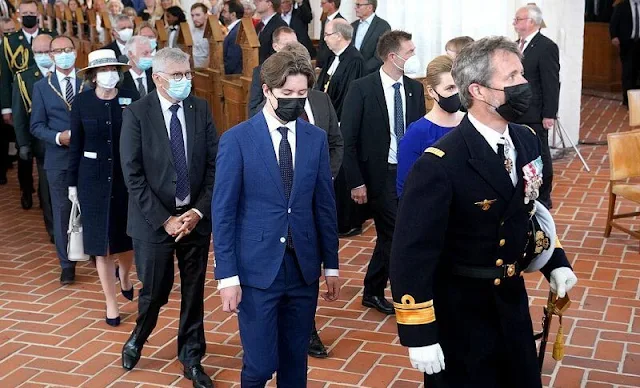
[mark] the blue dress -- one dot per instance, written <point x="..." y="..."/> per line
<point x="419" y="136"/>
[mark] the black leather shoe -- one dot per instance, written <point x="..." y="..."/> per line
<point x="198" y="377"/>
<point x="68" y="276"/>
<point x="316" y="348"/>
<point x="131" y="352"/>
<point x="26" y="200"/>
<point x="352" y="232"/>
<point x="379" y="303"/>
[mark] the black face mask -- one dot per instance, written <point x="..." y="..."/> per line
<point x="29" y="21"/>
<point x="449" y="104"/>
<point x="517" y="100"/>
<point x="289" y="109"/>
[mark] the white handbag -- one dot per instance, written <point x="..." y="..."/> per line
<point x="75" y="245"/>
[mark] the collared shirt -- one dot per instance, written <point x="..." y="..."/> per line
<point x="30" y="37"/>
<point x="287" y="17"/>
<point x="528" y="39"/>
<point x="336" y="61"/>
<point x="63" y="88"/>
<point x="267" y="19"/>
<point x="307" y="110"/>
<point x="166" y="113"/>
<point x="389" y="96"/>
<point x="173" y="36"/>
<point x="233" y="24"/>
<point x="363" y="27"/>
<point x="45" y="70"/>
<point x="332" y="16"/>
<point x="121" y="47"/>
<point x="493" y="138"/>
<point x="137" y="76"/>
<point x="200" y="48"/>
<point x="273" y="124"/>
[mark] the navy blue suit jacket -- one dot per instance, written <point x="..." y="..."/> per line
<point x="50" y="115"/>
<point x="250" y="212"/>
<point x="232" y="52"/>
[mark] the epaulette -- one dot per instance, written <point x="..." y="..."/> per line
<point x="436" y="151"/>
<point x="529" y="128"/>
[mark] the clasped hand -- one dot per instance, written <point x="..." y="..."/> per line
<point x="181" y="226"/>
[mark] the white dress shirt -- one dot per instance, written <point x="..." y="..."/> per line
<point x="233" y="24"/>
<point x="45" y="70"/>
<point x="273" y="124"/>
<point x="389" y="96"/>
<point x="173" y="36"/>
<point x="137" y="76"/>
<point x="63" y="87"/>
<point x="528" y="39"/>
<point x="200" y="48"/>
<point x="336" y="62"/>
<point x="121" y="47"/>
<point x="287" y="17"/>
<point x="332" y="16"/>
<point x="363" y="27"/>
<point x="30" y="37"/>
<point x="307" y="110"/>
<point x="494" y="138"/>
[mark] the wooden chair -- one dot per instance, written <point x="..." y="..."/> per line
<point x="624" y="162"/>
<point x="634" y="107"/>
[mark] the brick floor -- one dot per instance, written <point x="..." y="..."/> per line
<point x="56" y="336"/>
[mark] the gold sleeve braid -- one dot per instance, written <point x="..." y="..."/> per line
<point x="408" y="312"/>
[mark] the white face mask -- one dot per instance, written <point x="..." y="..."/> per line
<point x="125" y="34"/>
<point x="411" y="65"/>
<point x="107" y="79"/>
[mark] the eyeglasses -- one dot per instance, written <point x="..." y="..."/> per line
<point x="518" y="20"/>
<point x="358" y="5"/>
<point x="327" y="34"/>
<point x="41" y="52"/>
<point x="178" y="76"/>
<point x="66" y="50"/>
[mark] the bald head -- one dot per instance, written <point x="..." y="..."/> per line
<point x="338" y="34"/>
<point x="41" y="43"/>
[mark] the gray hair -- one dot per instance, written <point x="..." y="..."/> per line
<point x="249" y="4"/>
<point x="343" y="28"/>
<point x="166" y="56"/>
<point x="122" y="18"/>
<point x="535" y="14"/>
<point x="474" y="64"/>
<point x="133" y="44"/>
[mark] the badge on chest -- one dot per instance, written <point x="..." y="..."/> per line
<point x="532" y="174"/>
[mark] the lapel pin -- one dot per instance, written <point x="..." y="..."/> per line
<point x="486" y="204"/>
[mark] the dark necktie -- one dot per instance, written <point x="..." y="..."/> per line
<point x="398" y="116"/>
<point x="259" y="27"/>
<point x="141" y="89"/>
<point x="68" y="93"/>
<point x="636" y="30"/>
<point x="179" y="157"/>
<point x="286" y="171"/>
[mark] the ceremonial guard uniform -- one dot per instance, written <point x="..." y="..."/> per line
<point x="464" y="233"/>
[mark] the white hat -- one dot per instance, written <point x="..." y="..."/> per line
<point x="104" y="57"/>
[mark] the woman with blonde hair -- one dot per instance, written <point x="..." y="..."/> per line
<point x="152" y="11"/>
<point x="442" y="118"/>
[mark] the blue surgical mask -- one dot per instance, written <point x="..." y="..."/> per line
<point x="179" y="90"/>
<point x="43" y="60"/>
<point x="65" y="60"/>
<point x="154" y="43"/>
<point x="145" y="63"/>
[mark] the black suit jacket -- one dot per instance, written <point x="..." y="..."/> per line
<point x="255" y="94"/>
<point x="265" y="37"/>
<point x="621" y="25"/>
<point x="114" y="46"/>
<point x="150" y="175"/>
<point x="541" y="63"/>
<point x="600" y="14"/>
<point x="370" y="42"/>
<point x="302" y="33"/>
<point x="365" y="128"/>
<point x="130" y="84"/>
<point x="351" y="68"/>
<point x="323" y="50"/>
<point x="303" y="12"/>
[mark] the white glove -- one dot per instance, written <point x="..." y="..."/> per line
<point x="562" y="281"/>
<point x="427" y="359"/>
<point x="73" y="194"/>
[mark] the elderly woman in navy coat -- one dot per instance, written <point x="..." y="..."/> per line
<point x="95" y="177"/>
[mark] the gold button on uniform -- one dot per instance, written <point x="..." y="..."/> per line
<point x="499" y="262"/>
<point x="496" y="282"/>
<point x="502" y="242"/>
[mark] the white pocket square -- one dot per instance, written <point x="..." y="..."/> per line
<point x="91" y="155"/>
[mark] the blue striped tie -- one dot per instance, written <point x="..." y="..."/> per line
<point x="68" y="93"/>
<point x="398" y="116"/>
<point x="179" y="157"/>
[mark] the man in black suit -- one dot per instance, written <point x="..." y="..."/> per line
<point x="624" y="29"/>
<point x="541" y="63"/>
<point x="168" y="150"/>
<point x="598" y="10"/>
<point x="282" y="36"/>
<point x="232" y="13"/>
<point x="376" y="111"/>
<point x="121" y="33"/>
<point x="331" y="9"/>
<point x="138" y="77"/>
<point x="269" y="22"/>
<point x="301" y="28"/>
<point x="367" y="30"/>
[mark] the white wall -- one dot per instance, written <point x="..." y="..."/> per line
<point x="434" y="22"/>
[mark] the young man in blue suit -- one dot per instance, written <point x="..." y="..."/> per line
<point x="50" y="122"/>
<point x="274" y="226"/>
<point x="232" y="13"/>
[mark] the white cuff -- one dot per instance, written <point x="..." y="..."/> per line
<point x="6" y="111"/>
<point x="359" y="187"/>
<point x="228" y="282"/>
<point x="331" y="272"/>
<point x="58" y="138"/>
<point x="198" y="212"/>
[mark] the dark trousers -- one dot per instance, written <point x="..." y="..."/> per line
<point x="384" y="206"/>
<point x="275" y="326"/>
<point x="630" y="58"/>
<point x="350" y="214"/>
<point x="6" y="135"/>
<point x="154" y="265"/>
<point x="61" y="210"/>
<point x="25" y="178"/>
<point x="547" y="167"/>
